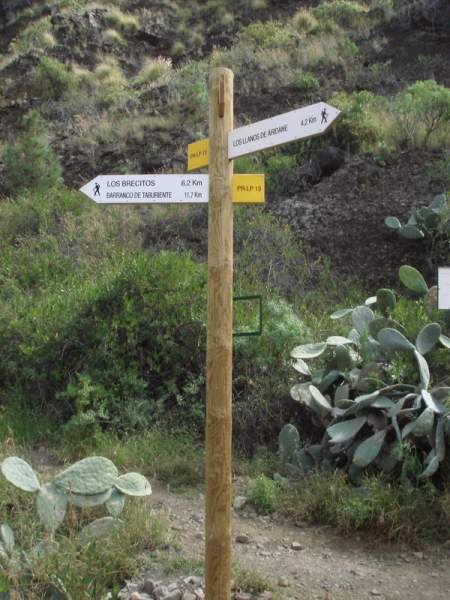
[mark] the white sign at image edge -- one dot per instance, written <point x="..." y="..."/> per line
<point x="297" y="124"/>
<point x="148" y="189"/>
<point x="443" y="288"/>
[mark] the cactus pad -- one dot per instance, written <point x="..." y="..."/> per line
<point x="84" y="501"/>
<point x="368" y="450"/>
<point x="411" y="232"/>
<point x="319" y="403"/>
<point x="51" y="506"/>
<point x="386" y="300"/>
<point x="423" y="370"/>
<point x="361" y="318"/>
<point x="445" y="341"/>
<point x="116" y="503"/>
<point x="288" y="443"/>
<point x="99" y="528"/>
<point x="345" y="430"/>
<point x="393" y="340"/>
<point x="133" y="484"/>
<point x="90" y="476"/>
<point x="432" y="403"/>
<point x="392" y="223"/>
<point x="413" y="280"/>
<point x="301" y="367"/>
<point x="7" y="538"/>
<point x="19" y="473"/>
<point x="309" y="350"/>
<point x="342" y="312"/>
<point x="428" y="337"/>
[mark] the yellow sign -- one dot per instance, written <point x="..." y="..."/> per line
<point x="198" y="155"/>
<point x="248" y="189"/>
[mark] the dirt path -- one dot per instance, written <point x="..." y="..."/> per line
<point x="328" y="567"/>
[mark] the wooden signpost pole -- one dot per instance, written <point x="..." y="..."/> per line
<point x="224" y="143"/>
<point x="220" y="339"/>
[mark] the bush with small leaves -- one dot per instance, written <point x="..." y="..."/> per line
<point x="52" y="80"/>
<point x="346" y="13"/>
<point x="422" y="114"/>
<point x="30" y="162"/>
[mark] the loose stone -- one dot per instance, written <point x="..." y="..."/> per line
<point x="296" y="546"/>
<point x="243" y="538"/>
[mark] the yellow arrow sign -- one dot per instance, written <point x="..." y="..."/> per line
<point x="198" y="155"/>
<point x="248" y="189"/>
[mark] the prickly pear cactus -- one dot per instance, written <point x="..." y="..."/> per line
<point x="429" y="225"/>
<point x="370" y="418"/>
<point x="88" y="483"/>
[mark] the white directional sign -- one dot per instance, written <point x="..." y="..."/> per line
<point x="294" y="125"/>
<point x="147" y="189"/>
<point x="444" y="288"/>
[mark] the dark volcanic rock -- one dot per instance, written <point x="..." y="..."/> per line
<point x="330" y="160"/>
<point x="342" y="216"/>
<point x="9" y="9"/>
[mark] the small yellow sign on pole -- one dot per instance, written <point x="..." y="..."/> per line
<point x="198" y="155"/>
<point x="248" y="189"/>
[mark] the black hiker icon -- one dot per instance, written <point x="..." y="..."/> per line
<point x="97" y="189"/>
<point x="324" y="116"/>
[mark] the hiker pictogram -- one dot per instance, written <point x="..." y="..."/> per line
<point x="324" y="116"/>
<point x="97" y="189"/>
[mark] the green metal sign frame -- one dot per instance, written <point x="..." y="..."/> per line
<point x="260" y="328"/>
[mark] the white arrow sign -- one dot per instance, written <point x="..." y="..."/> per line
<point x="444" y="288"/>
<point x="147" y="189"/>
<point x="294" y="125"/>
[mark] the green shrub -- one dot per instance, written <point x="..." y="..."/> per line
<point x="304" y="21"/>
<point x="258" y="4"/>
<point x="52" y="80"/>
<point x="153" y="70"/>
<point x="306" y="82"/>
<point x="124" y="21"/>
<point x="95" y="345"/>
<point x="172" y="454"/>
<point x="358" y="128"/>
<point x="271" y="34"/>
<point x="277" y="163"/>
<point x="423" y="114"/>
<point x="189" y="88"/>
<point x="113" y="37"/>
<point x="111" y="88"/>
<point x="260" y="366"/>
<point x="36" y="36"/>
<point x="129" y="345"/>
<point x="348" y="50"/>
<point x="250" y="582"/>
<point x="388" y="510"/>
<point x="345" y="13"/>
<point x="30" y="162"/>
<point x="263" y="494"/>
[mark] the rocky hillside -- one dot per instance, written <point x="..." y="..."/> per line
<point x="122" y="86"/>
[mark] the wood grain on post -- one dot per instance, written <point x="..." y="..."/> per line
<point x="220" y="341"/>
